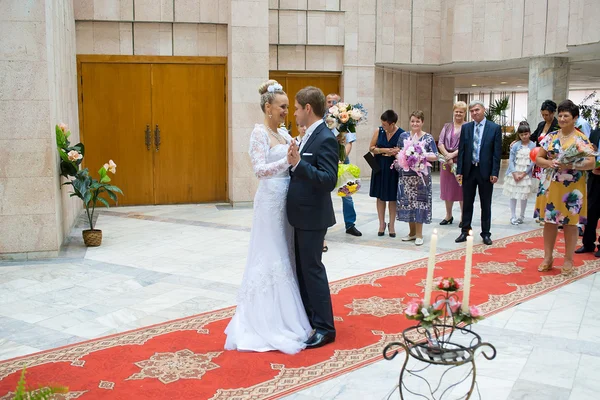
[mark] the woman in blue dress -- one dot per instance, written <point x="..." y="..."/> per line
<point x="384" y="183"/>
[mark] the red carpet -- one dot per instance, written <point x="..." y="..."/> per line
<point x="185" y="359"/>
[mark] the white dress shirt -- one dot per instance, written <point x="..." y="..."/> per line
<point x="309" y="131"/>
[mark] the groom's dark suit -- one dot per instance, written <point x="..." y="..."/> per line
<point x="477" y="175"/>
<point x="310" y="212"/>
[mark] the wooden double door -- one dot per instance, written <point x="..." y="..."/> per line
<point x="292" y="82"/>
<point x="163" y="123"/>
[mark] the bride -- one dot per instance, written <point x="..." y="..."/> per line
<point x="270" y="314"/>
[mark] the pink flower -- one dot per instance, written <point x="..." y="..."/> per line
<point x="475" y="311"/>
<point x="454" y="305"/>
<point x="445" y="283"/>
<point x="63" y="127"/>
<point x="111" y="166"/>
<point x="412" y="309"/>
<point x="74" y="155"/>
<point x="344" y="117"/>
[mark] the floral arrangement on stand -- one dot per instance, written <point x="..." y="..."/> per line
<point x="412" y="157"/>
<point x="445" y="307"/>
<point x="344" y="118"/>
<point x="88" y="189"/>
<point x="348" y="181"/>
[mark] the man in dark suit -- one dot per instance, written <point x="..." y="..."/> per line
<point x="593" y="205"/>
<point x="478" y="167"/>
<point x="310" y="210"/>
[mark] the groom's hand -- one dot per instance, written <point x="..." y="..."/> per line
<point x="293" y="155"/>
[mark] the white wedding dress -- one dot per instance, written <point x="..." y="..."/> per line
<point x="270" y="314"/>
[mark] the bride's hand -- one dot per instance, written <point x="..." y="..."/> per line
<point x="293" y="156"/>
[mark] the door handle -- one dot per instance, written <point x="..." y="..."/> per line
<point x="148" y="139"/>
<point x="157" y="137"/>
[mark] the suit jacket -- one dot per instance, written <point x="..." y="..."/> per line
<point x="309" y="205"/>
<point x="489" y="154"/>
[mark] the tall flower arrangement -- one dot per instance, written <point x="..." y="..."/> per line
<point x="344" y="118"/>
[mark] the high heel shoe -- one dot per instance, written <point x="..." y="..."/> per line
<point x="381" y="233"/>
<point x="566" y="270"/>
<point x="545" y="267"/>
<point x="392" y="234"/>
<point x="447" y="221"/>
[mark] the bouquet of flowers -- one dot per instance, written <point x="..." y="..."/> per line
<point x="413" y="157"/>
<point x="448" y="284"/>
<point x="417" y="311"/>
<point x="344" y="118"/>
<point x="572" y="155"/>
<point x="348" y="180"/>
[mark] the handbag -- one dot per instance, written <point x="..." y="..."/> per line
<point x="370" y="158"/>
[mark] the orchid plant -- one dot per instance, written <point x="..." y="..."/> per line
<point x="88" y="189"/>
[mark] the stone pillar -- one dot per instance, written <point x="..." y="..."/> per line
<point x="548" y="80"/>
<point x="358" y="79"/>
<point x="37" y="90"/>
<point x="248" y="67"/>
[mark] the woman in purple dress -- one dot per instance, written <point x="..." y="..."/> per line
<point x="448" y="146"/>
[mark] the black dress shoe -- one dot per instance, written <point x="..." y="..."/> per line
<point x="597" y="254"/>
<point x="447" y="221"/>
<point x="580" y="229"/>
<point x="487" y="240"/>
<point x="461" y="238"/>
<point x="584" y="249"/>
<point x="460" y="225"/>
<point x="353" y="231"/>
<point x="319" y="340"/>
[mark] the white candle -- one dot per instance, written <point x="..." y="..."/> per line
<point x="430" y="268"/>
<point x="467" y="279"/>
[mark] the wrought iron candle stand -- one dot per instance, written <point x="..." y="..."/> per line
<point x="436" y="343"/>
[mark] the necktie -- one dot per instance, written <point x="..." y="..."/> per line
<point x="476" y="141"/>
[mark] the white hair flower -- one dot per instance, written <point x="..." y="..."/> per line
<point x="274" y="88"/>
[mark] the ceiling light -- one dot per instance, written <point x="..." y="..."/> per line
<point x="473" y="85"/>
<point x="503" y="83"/>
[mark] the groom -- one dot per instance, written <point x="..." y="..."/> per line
<point x="313" y="174"/>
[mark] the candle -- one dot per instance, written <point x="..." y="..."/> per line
<point x="467" y="280"/>
<point x="430" y="268"/>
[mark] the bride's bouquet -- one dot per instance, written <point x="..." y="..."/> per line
<point x="345" y="117"/>
<point x="412" y="157"/>
<point x="348" y="180"/>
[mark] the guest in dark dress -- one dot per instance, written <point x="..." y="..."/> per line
<point x="549" y="124"/>
<point x="384" y="184"/>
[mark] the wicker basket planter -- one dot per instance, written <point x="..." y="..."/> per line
<point x="92" y="237"/>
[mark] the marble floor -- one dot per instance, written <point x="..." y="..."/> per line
<point x="166" y="262"/>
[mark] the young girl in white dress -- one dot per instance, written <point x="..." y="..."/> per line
<point x="519" y="184"/>
<point x="270" y="314"/>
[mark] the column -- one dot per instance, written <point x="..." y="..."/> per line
<point x="248" y="67"/>
<point x="548" y="80"/>
<point x="38" y="89"/>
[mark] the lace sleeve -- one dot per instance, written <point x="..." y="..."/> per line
<point x="259" y="147"/>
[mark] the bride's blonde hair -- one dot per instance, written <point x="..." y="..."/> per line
<point x="268" y="90"/>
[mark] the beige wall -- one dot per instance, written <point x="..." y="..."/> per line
<point x="37" y="81"/>
<point x="445" y="31"/>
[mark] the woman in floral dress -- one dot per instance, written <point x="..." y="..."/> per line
<point x="414" y="191"/>
<point x="562" y="194"/>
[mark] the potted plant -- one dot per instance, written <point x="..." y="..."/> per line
<point x="88" y="189"/>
